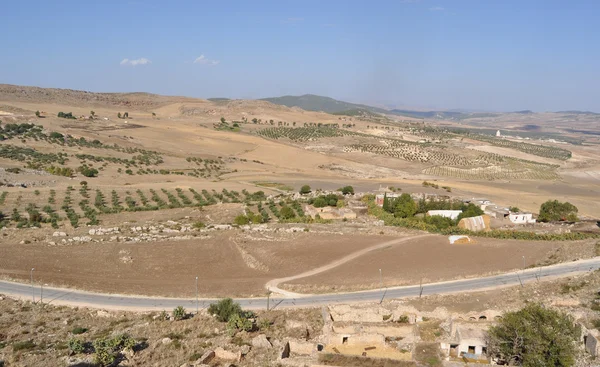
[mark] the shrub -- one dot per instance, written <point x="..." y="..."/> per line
<point x="305" y="190"/>
<point x="24" y="345"/>
<point x="347" y="190"/>
<point x="241" y="220"/>
<point x="76" y="346"/>
<point x="79" y="330"/>
<point x="179" y="313"/>
<point x="224" y="309"/>
<point x="287" y="213"/>
<point x="239" y="322"/>
<point x="88" y="171"/>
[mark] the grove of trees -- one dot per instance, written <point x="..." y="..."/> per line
<point x="554" y="210"/>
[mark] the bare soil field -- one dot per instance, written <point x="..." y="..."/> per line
<point x="169" y="268"/>
<point x="433" y="259"/>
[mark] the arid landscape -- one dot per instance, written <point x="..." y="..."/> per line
<point x="139" y="194"/>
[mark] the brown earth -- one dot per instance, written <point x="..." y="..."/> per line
<point x="433" y="259"/>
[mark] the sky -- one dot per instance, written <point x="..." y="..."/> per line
<point x="492" y="55"/>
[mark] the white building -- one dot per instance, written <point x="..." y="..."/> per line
<point x="498" y="134"/>
<point x="521" y="218"/>
<point x="452" y="214"/>
<point x="468" y="340"/>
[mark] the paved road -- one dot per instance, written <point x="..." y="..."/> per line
<point x="118" y="302"/>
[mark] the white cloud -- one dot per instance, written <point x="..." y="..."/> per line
<point x="204" y="61"/>
<point x="436" y="8"/>
<point x="140" y="61"/>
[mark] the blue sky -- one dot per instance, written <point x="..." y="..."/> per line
<point x="474" y="54"/>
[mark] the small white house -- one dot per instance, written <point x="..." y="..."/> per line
<point x="521" y="218"/>
<point x="452" y="214"/>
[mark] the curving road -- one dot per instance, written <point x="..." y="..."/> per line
<point x="120" y="302"/>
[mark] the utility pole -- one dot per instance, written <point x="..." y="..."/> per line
<point x="196" y="295"/>
<point x="32" y="290"/>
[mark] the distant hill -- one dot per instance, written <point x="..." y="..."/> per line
<point x="311" y="102"/>
<point x="576" y="112"/>
<point x="441" y="115"/>
<point x="524" y="112"/>
<point x="219" y="99"/>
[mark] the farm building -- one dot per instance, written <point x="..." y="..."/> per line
<point x="452" y="214"/>
<point x="329" y="212"/>
<point x="390" y="195"/>
<point x="467" y="340"/>
<point x="521" y="218"/>
<point x="496" y="212"/>
<point x="479" y="223"/>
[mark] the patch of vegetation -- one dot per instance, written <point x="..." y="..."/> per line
<point x="68" y="115"/>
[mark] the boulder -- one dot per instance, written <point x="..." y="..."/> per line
<point x="166" y="341"/>
<point x="261" y="341"/>
<point x="206" y="357"/>
<point x="226" y="355"/>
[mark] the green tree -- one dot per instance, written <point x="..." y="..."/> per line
<point x="153" y="114"/>
<point x="92" y="113"/>
<point x="118" y="115"/>
<point x="126" y="115"/>
<point x="37" y="113"/>
<point x="305" y="190"/>
<point x="514" y="209"/>
<point x="225" y="309"/>
<point x="287" y="212"/>
<point x="554" y="210"/>
<point x="471" y="210"/>
<point x="535" y="336"/>
<point x="222" y="120"/>
<point x="386" y="203"/>
<point x="404" y="206"/>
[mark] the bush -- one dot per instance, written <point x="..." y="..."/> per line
<point x="239" y="322"/>
<point x="88" y="171"/>
<point x="241" y="220"/>
<point x="535" y="336"/>
<point x="179" y="313"/>
<point x="25" y="345"/>
<point x="305" y="190"/>
<point x="225" y="309"/>
<point x="79" y="330"/>
<point x="287" y="213"/>
<point x="554" y="210"/>
<point x="76" y="346"/>
<point x="347" y="190"/>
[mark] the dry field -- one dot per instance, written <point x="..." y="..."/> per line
<point x="433" y="259"/>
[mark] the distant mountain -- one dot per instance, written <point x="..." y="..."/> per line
<point x="524" y="112"/>
<point x="311" y="102"/>
<point x="218" y="99"/>
<point x="577" y="112"/>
